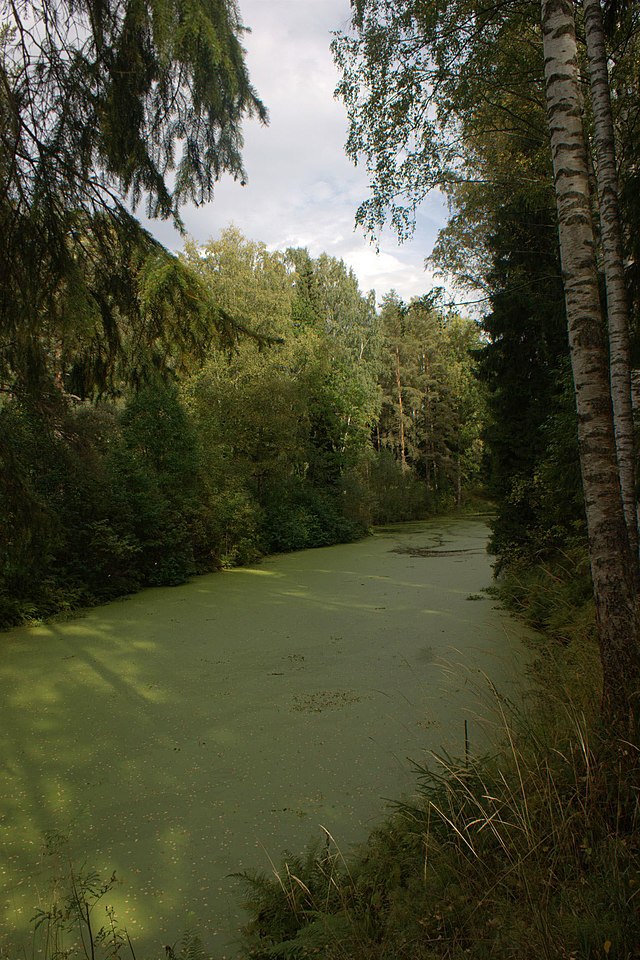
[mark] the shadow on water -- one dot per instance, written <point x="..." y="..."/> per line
<point x="191" y="732"/>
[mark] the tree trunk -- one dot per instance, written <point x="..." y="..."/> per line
<point x="613" y="583"/>
<point x="611" y="232"/>
<point x="403" y="450"/>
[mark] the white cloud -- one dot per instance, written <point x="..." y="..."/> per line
<point x="302" y="190"/>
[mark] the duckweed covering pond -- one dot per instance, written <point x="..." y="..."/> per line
<point x="189" y="733"/>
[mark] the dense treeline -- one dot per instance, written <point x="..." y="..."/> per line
<point x="501" y="242"/>
<point x="288" y="428"/>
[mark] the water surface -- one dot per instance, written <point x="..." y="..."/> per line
<point x="187" y="733"/>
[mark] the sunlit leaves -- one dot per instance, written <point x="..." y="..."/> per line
<point x="420" y="81"/>
<point x="433" y="407"/>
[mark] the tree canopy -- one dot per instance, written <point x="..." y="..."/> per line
<point x="107" y="95"/>
<point x="429" y="89"/>
<point x="103" y="105"/>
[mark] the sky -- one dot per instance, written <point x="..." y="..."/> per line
<point x="302" y="191"/>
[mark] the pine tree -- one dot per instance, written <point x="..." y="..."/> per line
<point x="103" y="104"/>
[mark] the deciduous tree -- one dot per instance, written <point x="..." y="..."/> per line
<point x="433" y="93"/>
<point x="611" y="234"/>
<point x="612" y="567"/>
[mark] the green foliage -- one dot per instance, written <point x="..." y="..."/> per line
<point x="555" y="594"/>
<point x="433" y="406"/>
<point x="99" y="504"/>
<point x="423" y="84"/>
<point x="452" y="95"/>
<point x="211" y="457"/>
<point x="304" y="516"/>
<point x="244" y="279"/>
<point x="395" y="494"/>
<point x="298" y="912"/>
<point x="159" y="458"/>
<point x="112" y="92"/>
<point x="532" y="452"/>
<point x="100" y="102"/>
<point x="122" y="309"/>
<point x="27" y="526"/>
<point x="287" y="425"/>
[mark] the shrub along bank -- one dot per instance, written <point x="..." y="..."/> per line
<point x="311" y="420"/>
<point x="108" y="500"/>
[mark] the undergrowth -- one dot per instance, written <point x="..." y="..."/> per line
<point x="554" y="594"/>
<point x="531" y="853"/>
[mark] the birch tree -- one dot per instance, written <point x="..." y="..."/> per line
<point x="451" y="94"/>
<point x="611" y="235"/>
<point x="613" y="583"/>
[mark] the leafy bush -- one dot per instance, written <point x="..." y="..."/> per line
<point x="300" y="516"/>
<point x="95" y="503"/>
<point x="28" y="526"/>
<point x="395" y="494"/>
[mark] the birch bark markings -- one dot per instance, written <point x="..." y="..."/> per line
<point x="611" y="232"/>
<point x="614" y="585"/>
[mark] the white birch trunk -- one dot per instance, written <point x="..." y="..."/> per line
<point x="611" y="232"/>
<point x="614" y="586"/>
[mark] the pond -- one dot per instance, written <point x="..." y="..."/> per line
<point x="187" y="733"/>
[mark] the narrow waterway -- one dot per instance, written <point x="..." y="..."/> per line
<point x="188" y="733"/>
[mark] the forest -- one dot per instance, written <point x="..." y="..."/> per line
<point x="165" y="415"/>
<point x="312" y="417"/>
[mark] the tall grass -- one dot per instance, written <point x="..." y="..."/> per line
<point x="529" y="854"/>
